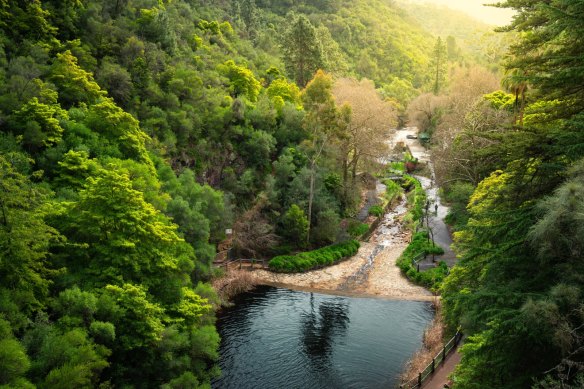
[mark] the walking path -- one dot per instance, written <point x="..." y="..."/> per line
<point x="373" y="271"/>
<point x="441" y="375"/>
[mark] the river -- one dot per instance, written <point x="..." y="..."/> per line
<point x="280" y="338"/>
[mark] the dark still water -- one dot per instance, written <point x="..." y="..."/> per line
<point x="279" y="338"/>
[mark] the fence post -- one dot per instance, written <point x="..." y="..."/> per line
<point x="419" y="380"/>
<point x="239" y="263"/>
<point x="418" y="267"/>
<point x="444" y="355"/>
<point x="433" y="365"/>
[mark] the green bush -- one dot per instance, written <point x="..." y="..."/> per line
<point x="392" y="190"/>
<point x="416" y="200"/>
<point x="408" y="182"/>
<point x="458" y="195"/>
<point x="282" y="249"/>
<point x="357" y="229"/>
<point x="376" y="210"/>
<point x="312" y="259"/>
<point x="431" y="278"/>
<point x="396" y="168"/>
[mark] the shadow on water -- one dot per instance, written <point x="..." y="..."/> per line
<point x="241" y="312"/>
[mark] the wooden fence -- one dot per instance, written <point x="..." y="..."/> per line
<point x="241" y="261"/>
<point x="427" y="373"/>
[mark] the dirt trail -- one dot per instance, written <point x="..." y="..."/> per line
<point x="371" y="272"/>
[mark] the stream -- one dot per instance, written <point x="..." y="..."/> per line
<point x="280" y="338"/>
<point x="386" y="235"/>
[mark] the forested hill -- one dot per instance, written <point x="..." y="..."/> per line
<point x="133" y="132"/>
<point x="467" y="39"/>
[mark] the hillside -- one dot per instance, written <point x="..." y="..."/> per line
<point x="133" y="133"/>
<point x="474" y="41"/>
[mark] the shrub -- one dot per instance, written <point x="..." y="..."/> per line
<point x="431" y="278"/>
<point x="376" y="210"/>
<point x="282" y="249"/>
<point x="312" y="259"/>
<point x="416" y="199"/>
<point x="392" y="190"/>
<point x="326" y="230"/>
<point x="357" y="229"/>
<point x="396" y="168"/>
<point x="295" y="226"/>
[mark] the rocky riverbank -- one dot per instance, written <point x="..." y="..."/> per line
<point x="371" y="272"/>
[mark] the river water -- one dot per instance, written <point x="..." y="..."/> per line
<point x="279" y="338"/>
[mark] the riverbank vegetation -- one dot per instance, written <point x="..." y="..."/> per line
<point x="417" y="198"/>
<point x="420" y="247"/>
<point x="432" y="343"/>
<point x="324" y="256"/>
<point x="511" y="164"/>
<point x="232" y="283"/>
<point x="135" y="132"/>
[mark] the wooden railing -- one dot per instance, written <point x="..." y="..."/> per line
<point x="427" y="373"/>
<point x="262" y="262"/>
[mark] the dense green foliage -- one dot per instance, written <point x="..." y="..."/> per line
<point x="134" y="132"/>
<point x="518" y="288"/>
<point x="422" y="246"/>
<point x="392" y="190"/>
<point x="416" y="196"/>
<point x="376" y="210"/>
<point x="357" y="229"/>
<point x="309" y="260"/>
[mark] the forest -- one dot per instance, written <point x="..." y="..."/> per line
<point x="133" y="133"/>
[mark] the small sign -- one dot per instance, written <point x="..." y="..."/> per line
<point x="228" y="231"/>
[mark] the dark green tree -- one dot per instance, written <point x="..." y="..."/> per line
<point x="295" y="226"/>
<point x="438" y="66"/>
<point x="302" y="50"/>
<point x="24" y="241"/>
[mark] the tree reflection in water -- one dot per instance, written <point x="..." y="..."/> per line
<point x="321" y="328"/>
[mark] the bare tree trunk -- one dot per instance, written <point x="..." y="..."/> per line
<point x="310" y="198"/>
<point x="311" y="193"/>
<point x="355" y="163"/>
<point x="345" y="182"/>
<point x="522" y="108"/>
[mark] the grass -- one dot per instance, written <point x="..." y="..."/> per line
<point x="309" y="260"/>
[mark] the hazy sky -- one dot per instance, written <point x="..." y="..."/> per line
<point x="475" y="8"/>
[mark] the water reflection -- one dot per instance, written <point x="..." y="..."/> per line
<point x="279" y="338"/>
<point x="319" y="328"/>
